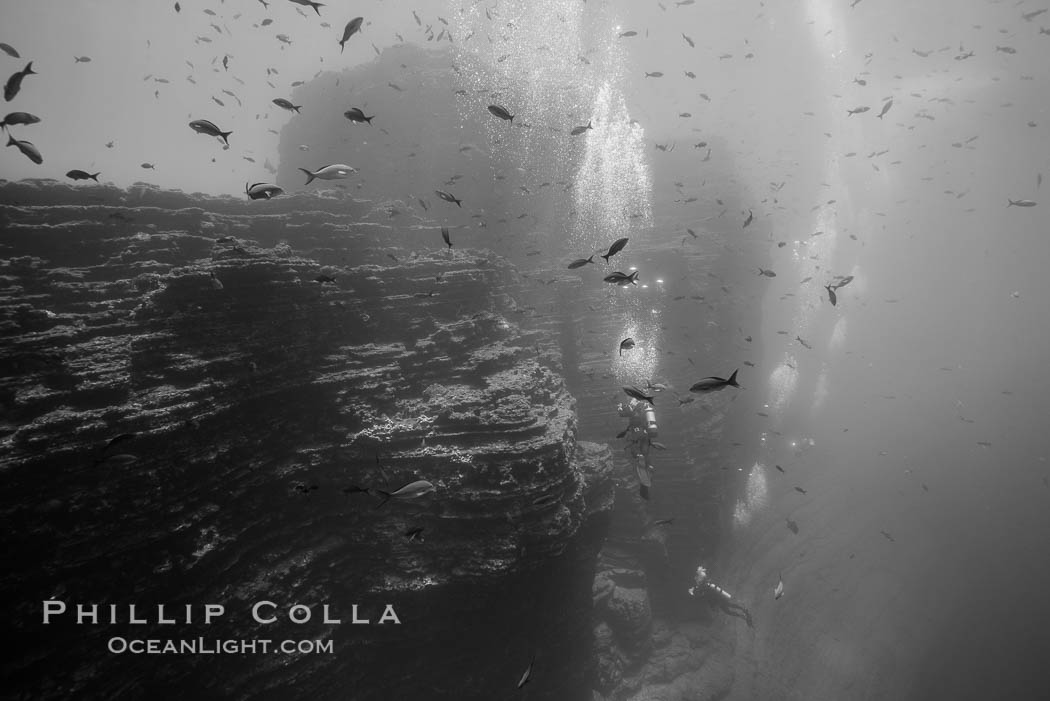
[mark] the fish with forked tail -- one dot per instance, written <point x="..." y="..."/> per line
<point x="203" y="126"/>
<point x="714" y="384"/>
<point x="14" y="83"/>
<point x="15" y="118"/>
<point x="448" y="197"/>
<point x="352" y="27"/>
<point x="356" y="115"/>
<point x="615" y="248"/>
<point x="285" y="104"/>
<point x="336" y="171"/>
<point x="83" y="175"/>
<point x="28" y="149"/>
<point x="621" y="279"/>
<point x="307" y="3"/>
<point x="412" y="490"/>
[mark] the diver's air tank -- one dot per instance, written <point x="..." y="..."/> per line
<point x="650" y="421"/>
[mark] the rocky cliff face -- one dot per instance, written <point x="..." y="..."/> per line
<point x="258" y="397"/>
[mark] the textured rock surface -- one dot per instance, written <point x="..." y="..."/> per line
<point x="257" y="397"/>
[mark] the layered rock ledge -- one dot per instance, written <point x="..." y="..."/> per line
<point x="260" y="397"/>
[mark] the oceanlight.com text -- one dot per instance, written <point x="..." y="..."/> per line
<point x="214" y="646"/>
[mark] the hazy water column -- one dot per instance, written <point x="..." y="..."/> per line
<point x="813" y="644"/>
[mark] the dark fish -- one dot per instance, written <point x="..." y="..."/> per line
<point x="622" y="433"/>
<point x="626" y="344"/>
<point x="630" y="33"/>
<point x="448" y="197"/>
<point x="714" y="384"/>
<point x="81" y="59"/>
<point x="779" y="468"/>
<point x="576" y="131"/>
<point x="354" y="489"/>
<point x="415" y="534"/>
<point x="285" y="104"/>
<point x="81" y="175"/>
<point x="615" y="248"/>
<point x="1028" y="17"/>
<point x="750" y="218"/>
<point x="580" y="262"/>
<point x="354" y="114"/>
<point x="841" y="282"/>
<point x="885" y="109"/>
<point x="619" y="278"/>
<point x="800" y="490"/>
<point x="203" y="126"/>
<point x="322" y="278"/>
<point x="857" y="110"/>
<point x="14" y="83"/>
<point x="501" y="112"/>
<point x="266" y="22"/>
<point x="412" y="490"/>
<point x="688" y="41"/>
<point x="887" y="536"/>
<point x="636" y="393"/>
<point x="352" y="27"/>
<point x="29" y="150"/>
<point x="767" y="273"/>
<point x="308" y="3"/>
<point x="262" y="191"/>
<point x="14" y="118"/>
<point x="832" y="297"/>
<point x="149" y="166"/>
<point x="9" y="50"/>
<point x="664" y="522"/>
<point x="1021" y="203"/>
<point x="444" y="235"/>
<point x="792" y="526"/>
<point x="803" y="342"/>
<point x="177" y="8"/>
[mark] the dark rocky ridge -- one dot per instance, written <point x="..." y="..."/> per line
<point x="244" y="394"/>
<point x="316" y="379"/>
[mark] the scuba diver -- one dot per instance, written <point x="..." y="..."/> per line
<point x="718" y="597"/>
<point x="640" y="432"/>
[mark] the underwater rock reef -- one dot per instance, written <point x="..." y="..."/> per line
<point x="195" y="392"/>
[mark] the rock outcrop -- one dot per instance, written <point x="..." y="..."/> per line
<point x="267" y="361"/>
